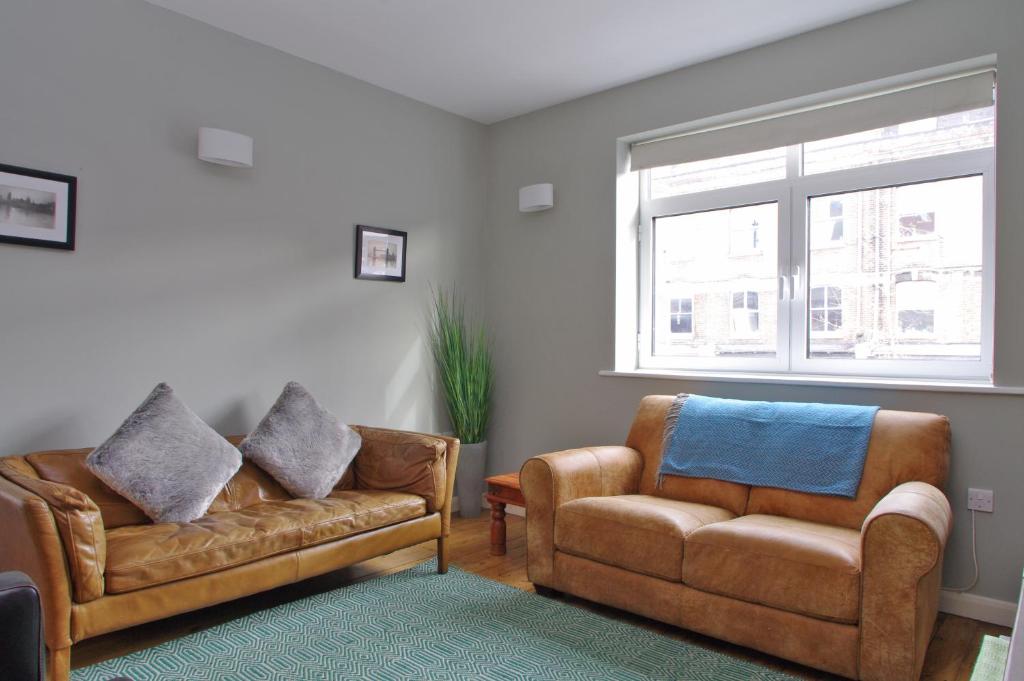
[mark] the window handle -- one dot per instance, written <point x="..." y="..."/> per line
<point x="783" y="283"/>
<point x="794" y="281"/>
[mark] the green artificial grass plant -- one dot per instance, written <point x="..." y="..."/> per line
<point x="464" y="367"/>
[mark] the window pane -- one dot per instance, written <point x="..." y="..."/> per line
<point x="817" y="297"/>
<point x="718" y="173"/>
<point x="827" y="223"/>
<point x="835" y="296"/>
<point x="917" y="322"/>
<point x="894" y="291"/>
<point x="916" y="224"/>
<point x="916" y="139"/>
<point x="721" y="291"/>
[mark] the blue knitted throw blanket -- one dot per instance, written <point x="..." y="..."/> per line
<point x="805" y="447"/>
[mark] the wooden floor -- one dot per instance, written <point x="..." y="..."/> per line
<point x="950" y="655"/>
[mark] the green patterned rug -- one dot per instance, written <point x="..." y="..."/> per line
<point x="420" y="625"/>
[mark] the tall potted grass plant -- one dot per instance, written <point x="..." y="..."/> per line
<point x="462" y="354"/>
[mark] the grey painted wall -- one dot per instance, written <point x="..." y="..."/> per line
<point x="224" y="282"/>
<point x="550" y="276"/>
<point x="227" y="283"/>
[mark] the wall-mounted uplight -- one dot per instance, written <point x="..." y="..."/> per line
<point x="536" y="197"/>
<point x="225" y="147"/>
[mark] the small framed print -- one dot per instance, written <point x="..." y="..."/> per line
<point x="380" y="253"/>
<point x="37" y="208"/>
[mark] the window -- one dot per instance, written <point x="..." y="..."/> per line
<point x="915" y="210"/>
<point x="826" y="306"/>
<point x="866" y="253"/>
<point x="745" y="238"/>
<point x="719" y="173"/>
<point x="916" y="301"/>
<point x="917" y="139"/>
<point x="916" y="225"/>
<point x="828" y="224"/>
<point x="681" y="315"/>
<point x="899" y="255"/>
<point x="695" y="272"/>
<point x="745" y="320"/>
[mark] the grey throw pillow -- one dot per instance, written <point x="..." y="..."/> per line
<point x="302" y="445"/>
<point x="166" y="460"/>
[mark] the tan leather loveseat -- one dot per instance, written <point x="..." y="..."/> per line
<point x="101" y="565"/>
<point x="849" y="586"/>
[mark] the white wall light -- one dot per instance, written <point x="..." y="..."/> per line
<point x="536" y="197"/>
<point x="225" y="147"/>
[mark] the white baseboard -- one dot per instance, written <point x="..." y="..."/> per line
<point x="978" y="607"/>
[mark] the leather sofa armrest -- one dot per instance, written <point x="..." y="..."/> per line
<point x="902" y="542"/>
<point x="79" y="524"/>
<point x="550" y="480"/>
<point x="404" y="461"/>
<point x="31" y="544"/>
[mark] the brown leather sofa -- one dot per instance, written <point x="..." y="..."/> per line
<point x="849" y="586"/>
<point x="102" y="565"/>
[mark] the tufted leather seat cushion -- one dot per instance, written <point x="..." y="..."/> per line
<point x="795" y="565"/>
<point x="146" y="555"/>
<point x="635" y="531"/>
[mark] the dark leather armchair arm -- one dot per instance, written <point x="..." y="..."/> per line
<point x="21" y="628"/>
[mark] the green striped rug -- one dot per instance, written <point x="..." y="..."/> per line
<point x="420" y="625"/>
<point x="991" y="662"/>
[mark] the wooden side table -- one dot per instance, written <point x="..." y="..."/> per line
<point x="502" y="490"/>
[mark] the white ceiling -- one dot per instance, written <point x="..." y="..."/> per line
<point x="493" y="59"/>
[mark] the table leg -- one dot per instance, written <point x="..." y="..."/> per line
<point x="497" y="528"/>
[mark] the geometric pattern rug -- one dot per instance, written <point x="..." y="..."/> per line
<point x="417" y="624"/>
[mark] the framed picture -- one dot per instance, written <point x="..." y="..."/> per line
<point x="37" y="208"/>
<point x="380" y="253"/>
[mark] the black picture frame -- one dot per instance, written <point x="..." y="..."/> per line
<point x="377" y="265"/>
<point x="63" y="210"/>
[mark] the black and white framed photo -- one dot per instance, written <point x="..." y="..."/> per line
<point x="37" y="208"/>
<point x="380" y="253"/>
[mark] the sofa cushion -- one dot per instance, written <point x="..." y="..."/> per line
<point x="165" y="460"/>
<point x="147" y="555"/>
<point x="793" y="565"/>
<point x="301" y="444"/>
<point x="637" y="532"/>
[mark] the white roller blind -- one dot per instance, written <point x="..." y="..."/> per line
<point x="867" y="112"/>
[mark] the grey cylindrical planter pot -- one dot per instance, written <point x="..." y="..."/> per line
<point x="469" y="478"/>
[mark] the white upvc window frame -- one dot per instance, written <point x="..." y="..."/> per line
<point x="792" y="196"/>
<point x="748" y="195"/>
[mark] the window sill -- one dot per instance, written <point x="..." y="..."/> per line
<point x="914" y="384"/>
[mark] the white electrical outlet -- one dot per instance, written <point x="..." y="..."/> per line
<point x="980" y="499"/>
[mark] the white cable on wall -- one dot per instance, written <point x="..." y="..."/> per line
<point x="974" y="557"/>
